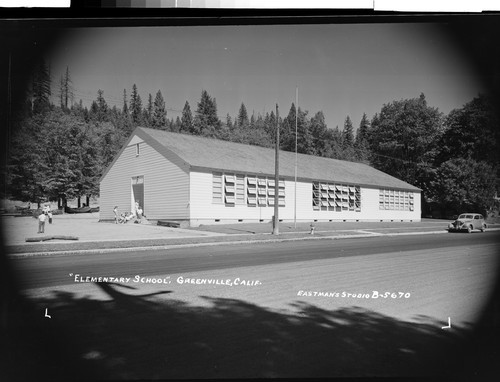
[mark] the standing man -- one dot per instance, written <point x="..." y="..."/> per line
<point x="41" y="222"/>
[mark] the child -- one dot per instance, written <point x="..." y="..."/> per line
<point x="115" y="210"/>
<point x="48" y="212"/>
<point x="41" y="222"/>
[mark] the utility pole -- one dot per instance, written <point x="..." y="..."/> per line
<point x="276" y="229"/>
<point x="9" y="126"/>
<point x="295" y="188"/>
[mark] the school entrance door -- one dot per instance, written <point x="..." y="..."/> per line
<point x="138" y="192"/>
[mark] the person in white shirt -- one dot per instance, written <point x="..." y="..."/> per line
<point x="41" y="222"/>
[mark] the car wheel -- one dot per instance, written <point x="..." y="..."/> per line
<point x="469" y="229"/>
<point x="483" y="228"/>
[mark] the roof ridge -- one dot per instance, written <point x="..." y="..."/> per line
<point x="209" y="153"/>
<point x="191" y="136"/>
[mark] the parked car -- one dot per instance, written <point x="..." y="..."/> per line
<point x="468" y="222"/>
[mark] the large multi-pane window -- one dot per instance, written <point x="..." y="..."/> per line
<point x="335" y="197"/>
<point x="217" y="191"/>
<point x="395" y="200"/>
<point x="252" y="190"/>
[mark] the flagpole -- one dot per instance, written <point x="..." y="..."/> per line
<point x="276" y="229"/>
<point x="296" y="118"/>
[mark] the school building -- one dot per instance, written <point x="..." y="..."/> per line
<point x="195" y="180"/>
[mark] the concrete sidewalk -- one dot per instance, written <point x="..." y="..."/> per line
<point x="88" y="229"/>
<point x="98" y="236"/>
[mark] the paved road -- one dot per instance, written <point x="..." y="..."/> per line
<point x="54" y="270"/>
<point x="295" y="322"/>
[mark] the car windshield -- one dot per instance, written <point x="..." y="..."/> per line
<point x="464" y="216"/>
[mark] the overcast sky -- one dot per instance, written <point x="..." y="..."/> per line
<point x="342" y="70"/>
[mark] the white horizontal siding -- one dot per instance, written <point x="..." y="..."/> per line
<point x="369" y="208"/>
<point x="166" y="186"/>
<point x="204" y="211"/>
<point x="202" y="207"/>
<point x="373" y="211"/>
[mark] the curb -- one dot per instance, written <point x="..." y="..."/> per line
<point x="191" y="245"/>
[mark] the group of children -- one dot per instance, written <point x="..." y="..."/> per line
<point x="127" y="216"/>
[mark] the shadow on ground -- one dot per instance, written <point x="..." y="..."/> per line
<point x="145" y="337"/>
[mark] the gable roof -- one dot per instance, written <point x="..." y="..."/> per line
<point x="201" y="153"/>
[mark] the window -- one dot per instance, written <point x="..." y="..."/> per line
<point x="357" y="195"/>
<point x="229" y="189"/>
<point x="251" y="191"/>
<point x="337" y="197"/>
<point x="316" y="196"/>
<point x="395" y="200"/>
<point x="137" y="150"/>
<point x="240" y="189"/>
<point x="217" y="187"/>
<point x="262" y="191"/>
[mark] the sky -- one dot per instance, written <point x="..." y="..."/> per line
<point x="339" y="69"/>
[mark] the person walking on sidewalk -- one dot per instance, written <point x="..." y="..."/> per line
<point x="41" y="222"/>
<point x="115" y="210"/>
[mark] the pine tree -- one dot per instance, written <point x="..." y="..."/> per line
<point x="61" y="92"/>
<point x="102" y="107"/>
<point x="135" y="106"/>
<point x="242" y="120"/>
<point x="348" y="134"/>
<point x="287" y="132"/>
<point x="177" y="124"/>
<point x="319" y="134"/>
<point x="187" y="120"/>
<point x="304" y="136"/>
<point x="148" y="112"/>
<point x="361" y="142"/>
<point x="66" y="89"/>
<point x="41" y="89"/>
<point x="125" y="106"/>
<point x="206" y="121"/>
<point x="229" y="122"/>
<point x="159" y="118"/>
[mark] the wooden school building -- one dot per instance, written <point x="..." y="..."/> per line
<point x="195" y="180"/>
